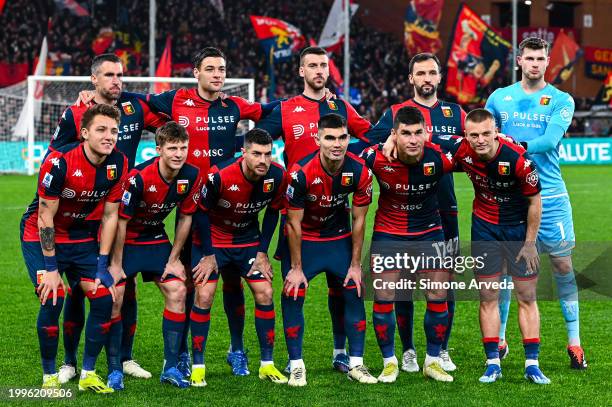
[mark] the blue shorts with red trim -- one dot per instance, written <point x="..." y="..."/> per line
<point x="231" y="262"/>
<point x="450" y="225"/>
<point x="499" y="245"/>
<point x="147" y="259"/>
<point x="329" y="256"/>
<point x="386" y="244"/>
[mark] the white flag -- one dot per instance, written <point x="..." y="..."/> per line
<point x="21" y="128"/>
<point x="333" y="31"/>
<point x="218" y="5"/>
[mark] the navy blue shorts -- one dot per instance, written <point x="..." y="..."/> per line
<point x="450" y="225"/>
<point x="330" y="257"/>
<point x="78" y="261"/>
<point x="497" y="245"/>
<point x="231" y="262"/>
<point x="147" y="259"/>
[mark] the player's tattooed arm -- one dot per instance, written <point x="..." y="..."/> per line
<point x="47" y="208"/>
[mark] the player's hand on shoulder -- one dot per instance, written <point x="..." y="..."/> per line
<point x="205" y="267"/>
<point x="294" y="279"/>
<point x="329" y="95"/>
<point x="389" y="150"/>
<point x="85" y="97"/>
<point x="262" y="265"/>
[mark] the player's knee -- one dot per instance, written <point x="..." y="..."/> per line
<point x="204" y="298"/>
<point x="264" y="294"/>
<point x="562" y="265"/>
<point x="176" y="292"/>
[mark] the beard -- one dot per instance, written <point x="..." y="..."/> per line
<point x="312" y="84"/>
<point x="109" y="95"/>
<point x="425" y="93"/>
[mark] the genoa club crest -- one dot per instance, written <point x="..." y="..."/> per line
<point x="429" y="169"/>
<point x="503" y="168"/>
<point x="268" y="185"/>
<point x="545" y="100"/>
<point x="347" y="179"/>
<point x="128" y="108"/>
<point x="447" y="111"/>
<point x="181" y="186"/>
<point x="332" y="105"/>
<point x="111" y="172"/>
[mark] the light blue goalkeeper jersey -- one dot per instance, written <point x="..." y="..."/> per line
<point x="525" y="117"/>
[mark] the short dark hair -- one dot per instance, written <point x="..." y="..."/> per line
<point x="257" y="136"/>
<point x="205" y="53"/>
<point x="170" y="132"/>
<point x="100" y="59"/>
<point x="311" y="51"/>
<point x="479" y="115"/>
<point x="332" y="121"/>
<point x="408" y="115"/>
<point x="423" y="56"/>
<point x="534" y="43"/>
<point x="100" y="109"/>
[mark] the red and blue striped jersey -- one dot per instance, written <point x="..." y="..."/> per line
<point x="407" y="204"/>
<point x="211" y="124"/>
<point x="324" y="197"/>
<point x="296" y="121"/>
<point x="135" y="117"/>
<point x="442" y="119"/>
<point x="501" y="185"/>
<point x="233" y="202"/>
<point x="81" y="187"/>
<point x="148" y="199"/>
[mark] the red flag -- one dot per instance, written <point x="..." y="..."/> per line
<point x="564" y="54"/>
<point x="2" y="3"/>
<point x="421" y="26"/>
<point x="164" y="69"/>
<point x="103" y="40"/>
<point x="604" y="97"/>
<point x="283" y="38"/>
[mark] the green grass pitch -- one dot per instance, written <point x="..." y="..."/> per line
<point x="591" y="195"/>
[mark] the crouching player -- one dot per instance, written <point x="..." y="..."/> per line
<point x="78" y="183"/>
<point x="319" y="232"/>
<point x="408" y="211"/>
<point x="229" y="242"/>
<point x="153" y="189"/>
<point x="506" y="217"/>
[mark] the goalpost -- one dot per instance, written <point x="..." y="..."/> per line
<point x="30" y="111"/>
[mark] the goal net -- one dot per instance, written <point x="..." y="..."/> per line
<point x="30" y="111"/>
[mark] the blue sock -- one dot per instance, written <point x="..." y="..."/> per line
<point x="74" y="321"/>
<point x="200" y="323"/>
<point x="436" y="325"/>
<point x="354" y="320"/>
<point x="335" y="305"/>
<point x="47" y="327"/>
<point x="264" y="325"/>
<point x="173" y="324"/>
<point x="404" y="315"/>
<point x="451" y="316"/>
<point x="383" y="317"/>
<point x="293" y="322"/>
<point x="233" y="303"/>
<point x="189" y="298"/>
<point x="129" y="318"/>
<point x="568" y="299"/>
<point x="97" y="326"/>
<point x="113" y="346"/>
<point x="505" y="298"/>
<point x="491" y="347"/>
<point x="532" y="348"/>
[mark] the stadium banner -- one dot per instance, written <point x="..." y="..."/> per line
<point x="598" y="62"/>
<point x="332" y="36"/>
<point x="421" y="26"/>
<point x="476" y="55"/>
<point x="573" y="151"/>
<point x="563" y="56"/>
<point x="278" y="37"/>
<point x="604" y="96"/>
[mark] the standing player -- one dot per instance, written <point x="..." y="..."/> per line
<point x="537" y="114"/>
<point x="319" y="231"/>
<point x="408" y="211"/>
<point x="106" y="76"/>
<point x="231" y="244"/>
<point x="443" y="119"/>
<point x="295" y="120"/>
<point x="58" y="235"/>
<point x="153" y="190"/>
<point x="506" y="216"/>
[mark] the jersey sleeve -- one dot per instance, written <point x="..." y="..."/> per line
<point x="382" y="129"/>
<point x="248" y="110"/>
<point x="563" y="111"/>
<point x="190" y="203"/>
<point x="52" y="176"/>
<point x="278" y="202"/>
<point x="369" y="156"/>
<point x="527" y="175"/>
<point x="272" y="123"/>
<point x="66" y="131"/>
<point x="448" y="164"/>
<point x="363" y="193"/>
<point x="209" y="196"/>
<point x="132" y="195"/>
<point x="152" y="120"/>
<point x="357" y="125"/>
<point x="296" y="188"/>
<point x="160" y="102"/>
<point x="116" y="191"/>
